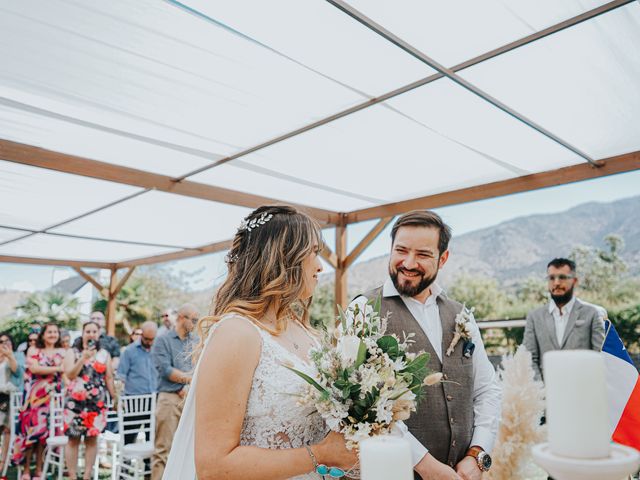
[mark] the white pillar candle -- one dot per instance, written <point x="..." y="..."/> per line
<point x="385" y="458"/>
<point x="577" y="415"/>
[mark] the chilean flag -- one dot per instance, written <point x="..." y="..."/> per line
<point x="623" y="390"/>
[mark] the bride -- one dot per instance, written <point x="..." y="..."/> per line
<point x="241" y="419"/>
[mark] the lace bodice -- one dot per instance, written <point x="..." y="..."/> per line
<point x="273" y="418"/>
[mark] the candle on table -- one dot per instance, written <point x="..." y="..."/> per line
<point x="577" y="415"/>
<point x="385" y="458"/>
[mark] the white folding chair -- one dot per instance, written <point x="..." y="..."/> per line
<point x="110" y="439"/>
<point x="56" y="441"/>
<point x="15" y="404"/>
<point x="131" y="465"/>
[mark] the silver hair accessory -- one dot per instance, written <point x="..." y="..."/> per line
<point x="255" y="222"/>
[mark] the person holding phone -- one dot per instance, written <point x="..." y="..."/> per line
<point x="88" y="368"/>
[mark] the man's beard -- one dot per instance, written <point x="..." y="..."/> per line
<point x="409" y="290"/>
<point x="564" y="298"/>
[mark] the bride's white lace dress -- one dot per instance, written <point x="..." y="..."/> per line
<point x="273" y="418"/>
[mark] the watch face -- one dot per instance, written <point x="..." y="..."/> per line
<point x="485" y="461"/>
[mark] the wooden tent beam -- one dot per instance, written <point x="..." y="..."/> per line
<point x="341" y="269"/>
<point x="123" y="281"/>
<point x="366" y="241"/>
<point x="111" y="303"/>
<point x="574" y="173"/>
<point x="61" y="162"/>
<point x="102" y="290"/>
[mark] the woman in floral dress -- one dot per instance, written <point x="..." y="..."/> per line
<point x="88" y="368"/>
<point x="42" y="378"/>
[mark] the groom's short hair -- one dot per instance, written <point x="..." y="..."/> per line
<point x="424" y="218"/>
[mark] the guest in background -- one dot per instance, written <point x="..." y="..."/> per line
<point x="134" y="337"/>
<point x="137" y="372"/>
<point x="167" y="321"/>
<point x="108" y="342"/>
<point x="65" y="339"/>
<point x="172" y="358"/>
<point x="11" y="380"/>
<point x="88" y="368"/>
<point x="42" y="378"/>
<point x="565" y="323"/>
<point x="31" y="338"/>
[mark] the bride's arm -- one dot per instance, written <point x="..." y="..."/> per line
<point x="222" y="391"/>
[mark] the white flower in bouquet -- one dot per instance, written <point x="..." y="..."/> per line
<point x="364" y="380"/>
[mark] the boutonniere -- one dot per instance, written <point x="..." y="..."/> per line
<point x="463" y="331"/>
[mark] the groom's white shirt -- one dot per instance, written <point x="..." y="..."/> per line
<point x="486" y="391"/>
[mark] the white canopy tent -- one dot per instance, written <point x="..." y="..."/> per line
<point x="120" y="118"/>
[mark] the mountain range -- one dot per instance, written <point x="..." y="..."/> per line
<point x="518" y="248"/>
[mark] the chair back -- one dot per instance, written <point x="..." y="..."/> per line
<point x="136" y="413"/>
<point x="112" y="414"/>
<point x="56" y="414"/>
<point x="15" y="404"/>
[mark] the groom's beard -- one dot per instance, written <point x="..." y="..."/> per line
<point x="410" y="289"/>
<point x="562" y="299"/>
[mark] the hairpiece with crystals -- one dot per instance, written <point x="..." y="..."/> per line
<point x="256" y="222"/>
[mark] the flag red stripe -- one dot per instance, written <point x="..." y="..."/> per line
<point x="628" y="430"/>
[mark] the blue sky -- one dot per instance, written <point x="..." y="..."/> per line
<point x="462" y="218"/>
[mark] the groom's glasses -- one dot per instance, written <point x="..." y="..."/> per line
<point x="561" y="277"/>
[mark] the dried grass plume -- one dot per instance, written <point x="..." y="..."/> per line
<point x="523" y="404"/>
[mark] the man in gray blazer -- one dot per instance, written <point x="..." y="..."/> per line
<point x="565" y="323"/>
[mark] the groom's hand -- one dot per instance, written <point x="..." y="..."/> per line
<point x="431" y="469"/>
<point x="468" y="469"/>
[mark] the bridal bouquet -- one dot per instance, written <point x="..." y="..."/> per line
<point x="364" y="380"/>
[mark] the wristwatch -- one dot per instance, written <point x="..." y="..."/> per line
<point x="483" y="459"/>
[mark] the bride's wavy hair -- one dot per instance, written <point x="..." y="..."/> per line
<point x="265" y="270"/>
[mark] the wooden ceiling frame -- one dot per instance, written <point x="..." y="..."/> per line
<point x="574" y="173"/>
<point x="65" y="163"/>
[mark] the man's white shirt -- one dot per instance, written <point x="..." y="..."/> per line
<point x="561" y="317"/>
<point x="486" y="391"/>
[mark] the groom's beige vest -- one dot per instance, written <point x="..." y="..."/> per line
<point x="443" y="422"/>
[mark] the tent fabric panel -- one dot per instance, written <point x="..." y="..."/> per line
<point x="73" y="249"/>
<point x="455" y="113"/>
<point x="453" y="32"/>
<point x="36" y="198"/>
<point x="354" y="151"/>
<point x="29" y="127"/>
<point x="581" y="83"/>
<point x="242" y="177"/>
<point x="172" y="70"/>
<point x="322" y="38"/>
<point x="161" y="218"/>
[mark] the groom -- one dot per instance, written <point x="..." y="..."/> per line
<point x="454" y="427"/>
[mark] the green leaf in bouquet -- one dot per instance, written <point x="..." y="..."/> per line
<point x="389" y="345"/>
<point x="346" y="392"/>
<point x="418" y="368"/>
<point x="362" y="355"/>
<point x="308" y="379"/>
<point x="377" y="305"/>
<point x="343" y="318"/>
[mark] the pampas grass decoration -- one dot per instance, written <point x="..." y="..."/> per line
<point x="522" y="407"/>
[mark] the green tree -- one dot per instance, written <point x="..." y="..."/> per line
<point x="481" y="293"/>
<point x="42" y="307"/>
<point x="604" y="275"/>
<point x="323" y="307"/>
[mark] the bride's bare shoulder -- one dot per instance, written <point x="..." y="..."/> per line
<point x="235" y="331"/>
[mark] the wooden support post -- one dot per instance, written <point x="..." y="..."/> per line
<point x="111" y="303"/>
<point x="341" y="268"/>
<point x="101" y="289"/>
<point x="327" y="254"/>
<point x="366" y="241"/>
